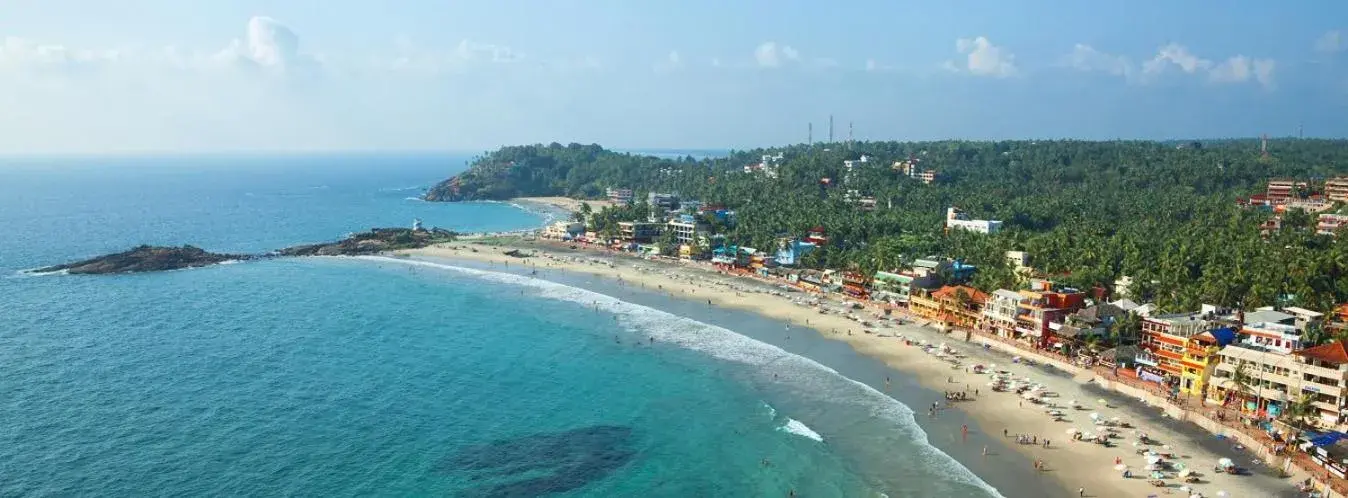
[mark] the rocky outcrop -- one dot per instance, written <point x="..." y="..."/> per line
<point x="155" y="258"/>
<point x="374" y="241"/>
<point x="143" y="259"/>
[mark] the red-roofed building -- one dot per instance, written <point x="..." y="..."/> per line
<point x="955" y="306"/>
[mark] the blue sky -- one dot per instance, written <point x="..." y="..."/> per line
<point x="214" y="75"/>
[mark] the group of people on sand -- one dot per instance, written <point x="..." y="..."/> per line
<point x="956" y="396"/>
<point x="1031" y="439"/>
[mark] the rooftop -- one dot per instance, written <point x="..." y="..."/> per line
<point x="1268" y="316"/>
<point x="1333" y="352"/>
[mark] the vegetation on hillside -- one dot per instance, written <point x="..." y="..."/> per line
<point x="1087" y="212"/>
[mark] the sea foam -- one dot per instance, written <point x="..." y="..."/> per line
<point x="800" y="429"/>
<point x="724" y="344"/>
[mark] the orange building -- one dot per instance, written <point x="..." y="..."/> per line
<point x="959" y="305"/>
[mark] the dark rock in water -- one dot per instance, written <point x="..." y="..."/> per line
<point x="372" y="242"/>
<point x="144" y="259"/>
<point x="152" y="258"/>
<point x="569" y="460"/>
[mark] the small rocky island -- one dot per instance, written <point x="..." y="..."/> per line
<point x="145" y="258"/>
<point x="157" y="258"/>
<point x="375" y="241"/>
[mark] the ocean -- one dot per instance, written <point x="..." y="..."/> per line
<point x="393" y="377"/>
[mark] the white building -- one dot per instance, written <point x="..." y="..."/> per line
<point x="622" y="196"/>
<point x="956" y="219"/>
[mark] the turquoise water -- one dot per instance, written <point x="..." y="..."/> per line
<point x="376" y="376"/>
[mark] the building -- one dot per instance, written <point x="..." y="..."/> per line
<point x="817" y="236"/>
<point x="1318" y="375"/>
<point x="1088" y="322"/>
<point x="792" y="250"/>
<point x="564" y="230"/>
<point x="910" y="168"/>
<point x="1304" y="318"/>
<point x="1201" y="357"/>
<point x="1000" y="312"/>
<point x="923" y="304"/>
<point x="851" y="167"/>
<point x="767" y="165"/>
<point x="661" y="201"/>
<point x="1164" y="341"/>
<point x="687" y="229"/>
<point x="856" y="284"/>
<point x="953" y="271"/>
<point x="959" y="306"/>
<point x="1330" y="223"/>
<point x="1041" y="308"/>
<point x="620" y="196"/>
<point x="1277" y="337"/>
<point x="956" y="219"/>
<point x="639" y="231"/>
<point x="1336" y="189"/>
<point x="1282" y="190"/>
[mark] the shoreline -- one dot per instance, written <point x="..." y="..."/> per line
<point x="1071" y="465"/>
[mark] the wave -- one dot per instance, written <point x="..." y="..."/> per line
<point x="401" y="189"/>
<point x="798" y="428"/>
<point x="418" y="199"/>
<point x="33" y="272"/>
<point x="814" y="378"/>
<point x="772" y="412"/>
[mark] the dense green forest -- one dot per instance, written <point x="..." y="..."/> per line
<point x="1087" y="212"/>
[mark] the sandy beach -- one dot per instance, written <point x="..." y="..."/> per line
<point x="562" y="203"/>
<point x="1073" y="464"/>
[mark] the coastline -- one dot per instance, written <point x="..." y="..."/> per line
<point x="558" y="204"/>
<point x="1070" y="465"/>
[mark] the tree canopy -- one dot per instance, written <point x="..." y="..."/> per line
<point x="1086" y="212"/>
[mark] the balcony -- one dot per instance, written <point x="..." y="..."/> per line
<point x="1146" y="359"/>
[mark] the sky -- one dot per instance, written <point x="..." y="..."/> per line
<point x="90" y="76"/>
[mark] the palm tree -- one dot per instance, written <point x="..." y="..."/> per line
<point x="1295" y="412"/>
<point x="1242" y="380"/>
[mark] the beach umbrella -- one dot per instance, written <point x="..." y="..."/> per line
<point x="1221" y="493"/>
<point x="1185" y="489"/>
<point x="1072" y="402"/>
<point x="1120" y="467"/>
<point x="1153" y="459"/>
<point x="1095" y="415"/>
<point x="1226" y="462"/>
<point x="1072" y="431"/>
<point x="1186" y="473"/>
<point x="1102" y="401"/>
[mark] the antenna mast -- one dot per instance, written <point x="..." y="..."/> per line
<point x="830" y="128"/>
<point x="809" y="135"/>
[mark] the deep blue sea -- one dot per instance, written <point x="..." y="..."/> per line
<point x="384" y="377"/>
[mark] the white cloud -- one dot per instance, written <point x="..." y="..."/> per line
<point x="1235" y="69"/>
<point x="983" y="58"/>
<point x="1087" y="58"/>
<point x="1177" y="55"/>
<point x="771" y="54"/>
<point x="267" y="43"/>
<point x="1330" y="42"/>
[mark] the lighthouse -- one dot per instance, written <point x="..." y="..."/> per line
<point x="416" y="225"/>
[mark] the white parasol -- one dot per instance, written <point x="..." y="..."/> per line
<point x="1186" y="473"/>
<point x="1120" y="467"/>
<point x="1095" y="415"/>
<point x="1226" y="462"/>
<point x="1072" y="431"/>
<point x="1153" y="459"/>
